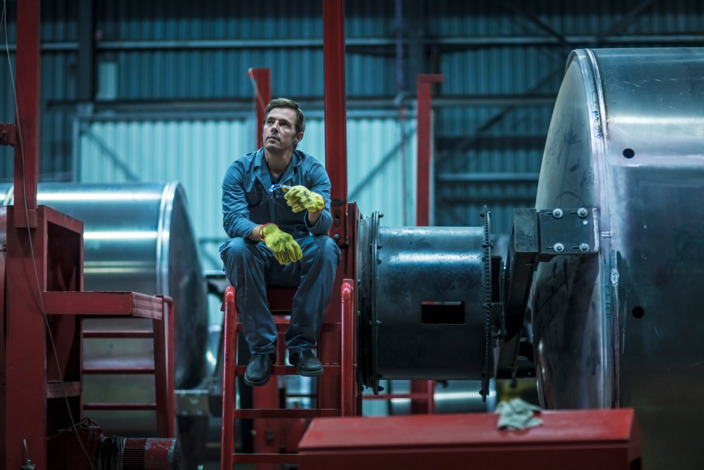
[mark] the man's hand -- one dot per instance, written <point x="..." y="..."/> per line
<point x="301" y="198"/>
<point x="286" y="250"/>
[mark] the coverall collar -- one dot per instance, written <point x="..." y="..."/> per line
<point x="261" y="170"/>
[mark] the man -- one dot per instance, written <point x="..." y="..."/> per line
<point x="276" y="211"/>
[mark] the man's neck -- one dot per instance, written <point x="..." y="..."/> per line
<point x="277" y="162"/>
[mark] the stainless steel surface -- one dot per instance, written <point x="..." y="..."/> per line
<point x="623" y="329"/>
<point x="421" y="302"/>
<point x="137" y="237"/>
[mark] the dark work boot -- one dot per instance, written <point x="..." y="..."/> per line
<point x="258" y="369"/>
<point x="306" y="363"/>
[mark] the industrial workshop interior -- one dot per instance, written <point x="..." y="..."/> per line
<point x="512" y="190"/>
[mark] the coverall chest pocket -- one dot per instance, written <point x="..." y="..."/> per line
<point x="256" y="201"/>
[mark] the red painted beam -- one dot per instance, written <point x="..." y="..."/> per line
<point x="27" y="86"/>
<point x="347" y="380"/>
<point x="262" y="86"/>
<point x="425" y="146"/>
<point x="335" y="104"/>
<point x="103" y="303"/>
<point x="574" y="439"/>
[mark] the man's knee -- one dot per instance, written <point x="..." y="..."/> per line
<point x="234" y="248"/>
<point x="329" y="249"/>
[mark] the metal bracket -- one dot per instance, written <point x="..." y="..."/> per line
<point x="539" y="236"/>
<point x="568" y="232"/>
<point x="8" y="135"/>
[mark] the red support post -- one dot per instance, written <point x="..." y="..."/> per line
<point x="422" y="396"/>
<point x="335" y="107"/>
<point x="262" y="84"/>
<point x="349" y="309"/>
<point x="227" y="443"/>
<point x="164" y="386"/>
<point x="25" y="407"/>
<point x="424" y="388"/>
<point x="329" y="389"/>
<point x="26" y="161"/>
<point x="425" y="144"/>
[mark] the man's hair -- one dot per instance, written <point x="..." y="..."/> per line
<point x="287" y="103"/>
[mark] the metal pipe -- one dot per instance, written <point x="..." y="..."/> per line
<point x="454" y="42"/>
<point x="488" y="177"/>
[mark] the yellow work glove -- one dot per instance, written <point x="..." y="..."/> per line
<point x="301" y="198"/>
<point x="286" y="250"/>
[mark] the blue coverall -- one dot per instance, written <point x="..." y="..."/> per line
<point x="250" y="266"/>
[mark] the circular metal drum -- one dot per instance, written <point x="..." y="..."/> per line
<point x="137" y="237"/>
<point x="421" y="294"/>
<point x="623" y="329"/>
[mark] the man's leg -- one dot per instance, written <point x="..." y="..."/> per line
<point x="245" y="266"/>
<point x="321" y="255"/>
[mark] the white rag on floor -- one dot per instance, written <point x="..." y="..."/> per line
<point x="517" y="414"/>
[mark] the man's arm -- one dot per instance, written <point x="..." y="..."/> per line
<point x="313" y="217"/>
<point x="234" y="206"/>
<point x="255" y="234"/>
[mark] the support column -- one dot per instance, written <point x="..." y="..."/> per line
<point x="425" y="147"/>
<point x="262" y="85"/>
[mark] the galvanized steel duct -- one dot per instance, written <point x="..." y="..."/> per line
<point x="138" y="237"/>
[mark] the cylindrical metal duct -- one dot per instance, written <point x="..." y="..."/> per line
<point x="421" y="299"/>
<point x="624" y="328"/>
<point x="137" y="237"/>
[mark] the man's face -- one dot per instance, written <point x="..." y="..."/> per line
<point x="280" y="129"/>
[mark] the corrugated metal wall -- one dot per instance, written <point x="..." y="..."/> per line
<point x="197" y="152"/>
<point x="185" y="62"/>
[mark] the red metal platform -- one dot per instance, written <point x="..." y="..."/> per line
<point x="576" y="439"/>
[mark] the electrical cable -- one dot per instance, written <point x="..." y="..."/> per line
<point x="20" y="145"/>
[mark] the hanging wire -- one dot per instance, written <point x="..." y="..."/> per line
<point x="20" y="148"/>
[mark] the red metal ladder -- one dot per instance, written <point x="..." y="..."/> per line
<point x="343" y="369"/>
<point x="162" y="368"/>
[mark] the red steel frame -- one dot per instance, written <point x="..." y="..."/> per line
<point x="425" y="146"/>
<point x="262" y="83"/>
<point x="26" y="162"/>
<point x="268" y="454"/>
<point x="423" y="391"/>
<point x="41" y="357"/>
<point x="344" y="213"/>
